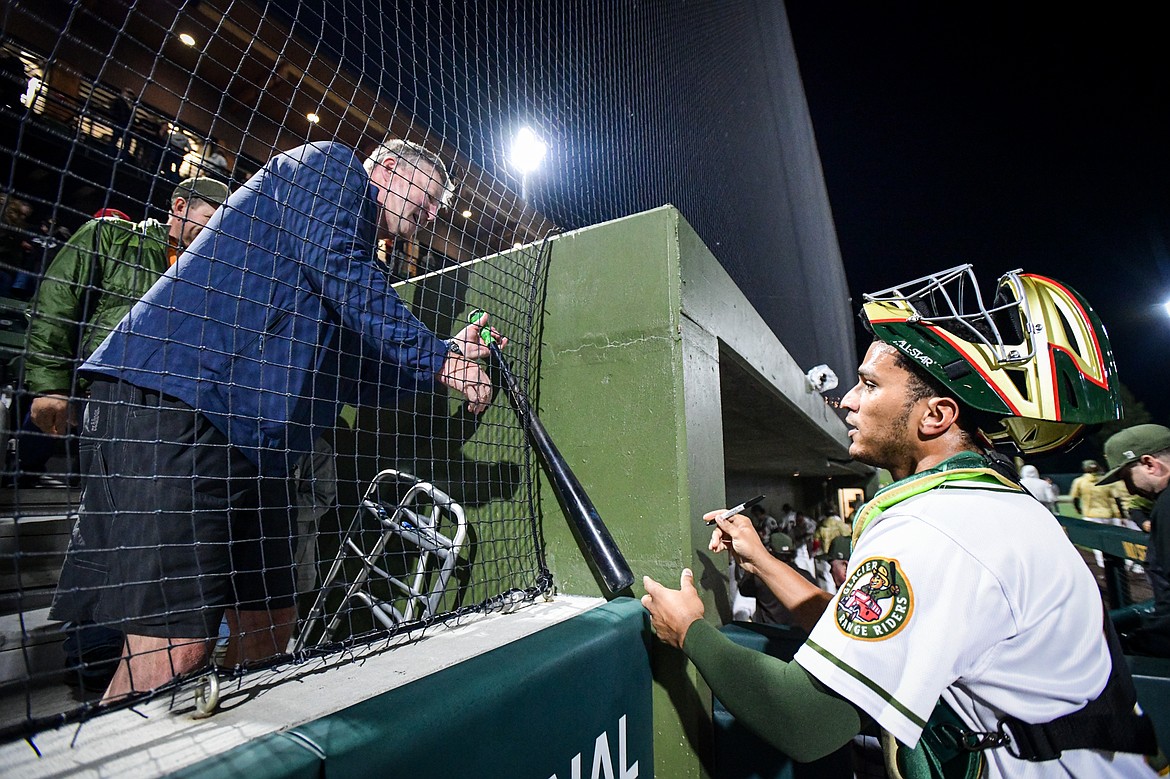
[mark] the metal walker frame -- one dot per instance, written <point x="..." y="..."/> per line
<point x="416" y="524"/>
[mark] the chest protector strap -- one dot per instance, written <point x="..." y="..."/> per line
<point x="1110" y="722"/>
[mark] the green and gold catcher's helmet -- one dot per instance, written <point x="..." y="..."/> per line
<point x="1038" y="358"/>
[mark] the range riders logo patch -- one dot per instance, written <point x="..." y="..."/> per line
<point x="876" y="601"/>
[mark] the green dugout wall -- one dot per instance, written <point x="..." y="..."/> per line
<point x="665" y="389"/>
<point x="669" y="396"/>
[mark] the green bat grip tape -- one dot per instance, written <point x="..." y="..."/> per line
<point x="485" y="334"/>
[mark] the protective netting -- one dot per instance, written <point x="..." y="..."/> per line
<point x="266" y="450"/>
<point x="263" y="527"/>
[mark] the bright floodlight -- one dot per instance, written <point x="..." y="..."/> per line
<point x="527" y="151"/>
<point x="1167" y="306"/>
<point x="187" y="38"/>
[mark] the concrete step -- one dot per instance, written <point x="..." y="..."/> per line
<point x="32" y="550"/>
<point x="30" y="647"/>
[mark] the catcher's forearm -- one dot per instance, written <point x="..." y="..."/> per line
<point x="778" y="701"/>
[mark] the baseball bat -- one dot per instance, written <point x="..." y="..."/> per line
<point x="575" y="502"/>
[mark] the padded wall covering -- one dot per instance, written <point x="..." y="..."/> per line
<point x="570" y="701"/>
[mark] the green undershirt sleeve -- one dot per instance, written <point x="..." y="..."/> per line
<point x="780" y="702"/>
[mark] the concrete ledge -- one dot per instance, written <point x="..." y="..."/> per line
<point x="162" y="736"/>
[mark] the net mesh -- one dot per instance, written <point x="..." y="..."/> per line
<point x="105" y="107"/>
<point x="106" y="112"/>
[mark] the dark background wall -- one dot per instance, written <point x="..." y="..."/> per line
<point x="695" y="104"/>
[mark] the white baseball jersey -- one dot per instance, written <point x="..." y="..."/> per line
<point x="973" y="593"/>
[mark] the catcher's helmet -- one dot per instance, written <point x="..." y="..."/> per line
<point x="1038" y="358"/>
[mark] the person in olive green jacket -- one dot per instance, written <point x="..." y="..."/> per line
<point x="93" y="281"/>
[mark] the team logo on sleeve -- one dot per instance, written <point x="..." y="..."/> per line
<point x="876" y="601"/>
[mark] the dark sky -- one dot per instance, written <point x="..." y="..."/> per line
<point x="1007" y="141"/>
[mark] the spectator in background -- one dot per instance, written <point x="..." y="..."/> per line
<point x="121" y="122"/>
<point x="39" y="251"/>
<point x="787" y="520"/>
<point x="1096" y="502"/>
<point x="243" y="368"/>
<point x="803" y="529"/>
<point x="117" y="213"/>
<point x="742" y="606"/>
<point x="829" y="530"/>
<point x="13" y="85"/>
<point x="13" y="81"/>
<point x="765" y="523"/>
<point x="148" y="134"/>
<point x="1042" y="490"/>
<point x="106" y="266"/>
<point x="90" y="285"/>
<point x="175" y="147"/>
<point x="769" y="609"/>
<point x="212" y="162"/>
<point x="838" y="560"/>
<point x="14" y="231"/>
<point x="1139" y="457"/>
<point x="1092" y="499"/>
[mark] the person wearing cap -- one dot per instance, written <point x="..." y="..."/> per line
<point x="1093" y="499"/>
<point x="1096" y="502"/>
<point x="1139" y="457"/>
<point x="828" y="530"/>
<point x="104" y="268"/>
<point x="769" y="609"/>
<point x="838" y="558"/>
<point x="963" y="599"/>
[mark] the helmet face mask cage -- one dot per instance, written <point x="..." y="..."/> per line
<point x="1037" y="359"/>
<point x="941" y="298"/>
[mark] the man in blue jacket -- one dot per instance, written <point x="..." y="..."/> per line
<point x="221" y="378"/>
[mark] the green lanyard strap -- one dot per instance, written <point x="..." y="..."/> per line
<point x="967" y="466"/>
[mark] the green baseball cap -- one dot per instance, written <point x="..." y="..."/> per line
<point x="780" y="543"/>
<point x="1127" y="447"/>
<point x="204" y="188"/>
<point x="839" y="549"/>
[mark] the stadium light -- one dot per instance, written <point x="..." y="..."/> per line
<point x="1166" y="305"/>
<point x="187" y="38"/>
<point x="312" y="117"/>
<point x="528" y="151"/>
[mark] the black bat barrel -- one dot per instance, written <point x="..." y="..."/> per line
<point x="599" y="544"/>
